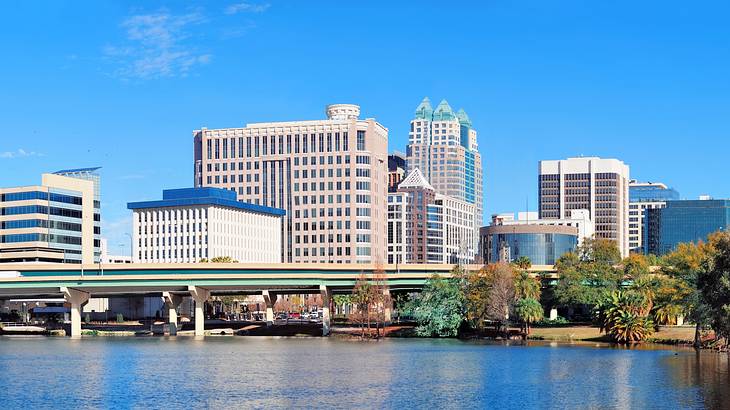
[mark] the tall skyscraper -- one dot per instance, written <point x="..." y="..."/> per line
<point x="330" y="176"/>
<point x="599" y="185"/>
<point x="57" y="221"/>
<point x="443" y="145"/>
<point x="643" y="196"/>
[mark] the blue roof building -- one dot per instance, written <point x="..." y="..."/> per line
<point x="193" y="224"/>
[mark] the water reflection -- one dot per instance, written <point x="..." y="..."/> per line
<point x="304" y="372"/>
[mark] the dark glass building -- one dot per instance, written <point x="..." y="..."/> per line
<point x="542" y="244"/>
<point x="684" y="221"/>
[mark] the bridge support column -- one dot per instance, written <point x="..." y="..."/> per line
<point x="269" y="300"/>
<point x="172" y="301"/>
<point x="326" y="303"/>
<point x="77" y="299"/>
<point x="388" y="307"/>
<point x="199" y="295"/>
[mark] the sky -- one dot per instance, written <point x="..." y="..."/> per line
<point x="122" y="85"/>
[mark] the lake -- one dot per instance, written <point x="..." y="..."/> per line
<point x="264" y="372"/>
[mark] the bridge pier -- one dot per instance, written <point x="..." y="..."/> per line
<point x="77" y="299"/>
<point x="388" y="308"/>
<point x="269" y="300"/>
<point x="199" y="295"/>
<point x="172" y="301"/>
<point x="326" y="302"/>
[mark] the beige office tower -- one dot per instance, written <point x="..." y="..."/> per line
<point x="599" y="185"/>
<point x="330" y="176"/>
<point x="443" y="145"/>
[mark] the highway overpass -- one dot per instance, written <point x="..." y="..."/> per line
<point x="77" y="283"/>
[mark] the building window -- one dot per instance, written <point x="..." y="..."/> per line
<point x="360" y="140"/>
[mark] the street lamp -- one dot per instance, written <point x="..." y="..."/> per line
<point x="131" y="247"/>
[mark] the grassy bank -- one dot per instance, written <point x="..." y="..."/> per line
<point x="666" y="334"/>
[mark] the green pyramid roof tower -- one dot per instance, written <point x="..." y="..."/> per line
<point x="463" y="118"/>
<point x="443" y="112"/>
<point x="424" y="110"/>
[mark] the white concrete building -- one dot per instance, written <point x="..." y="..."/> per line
<point x="599" y="185"/>
<point x="330" y="175"/>
<point x="578" y="218"/>
<point x="426" y="227"/>
<point x="191" y="224"/>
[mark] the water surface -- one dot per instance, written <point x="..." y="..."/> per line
<point x="261" y="372"/>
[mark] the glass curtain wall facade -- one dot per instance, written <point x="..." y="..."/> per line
<point x="542" y="244"/>
<point x="684" y="221"/>
<point x="57" y="221"/>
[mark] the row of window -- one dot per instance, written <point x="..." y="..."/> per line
<point x="42" y="237"/>
<point x="42" y="223"/>
<point x="46" y="196"/>
<point x="223" y="148"/>
<point x="40" y="209"/>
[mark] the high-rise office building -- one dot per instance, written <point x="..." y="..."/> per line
<point x="56" y="221"/>
<point x="684" y="221"/>
<point x="643" y="196"/>
<point x="330" y="176"/>
<point x="90" y="174"/>
<point x="599" y="185"/>
<point x="443" y="145"/>
<point x="428" y="227"/>
<point x="191" y="224"/>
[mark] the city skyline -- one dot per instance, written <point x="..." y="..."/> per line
<point x="125" y="100"/>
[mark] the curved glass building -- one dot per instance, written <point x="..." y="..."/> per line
<point x="542" y="244"/>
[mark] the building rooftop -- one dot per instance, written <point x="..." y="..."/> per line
<point x="68" y="171"/>
<point x="415" y="180"/>
<point x="203" y="196"/>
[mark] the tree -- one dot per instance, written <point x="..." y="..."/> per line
<point x="619" y="316"/>
<point x="490" y="294"/>
<point x="588" y="274"/>
<point x="381" y="301"/>
<point x="527" y="286"/>
<point x="602" y="251"/>
<point x="523" y="262"/>
<point x="219" y="259"/>
<point x="439" y="309"/>
<point x="714" y="285"/>
<point x="362" y="299"/>
<point x="684" y="265"/>
<point x="529" y="310"/>
<point x="341" y="302"/>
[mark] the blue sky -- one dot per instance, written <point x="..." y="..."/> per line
<point x="122" y="85"/>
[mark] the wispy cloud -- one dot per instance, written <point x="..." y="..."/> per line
<point x="157" y="46"/>
<point x="19" y="153"/>
<point x="246" y="7"/>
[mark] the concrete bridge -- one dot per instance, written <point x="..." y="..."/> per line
<point x="78" y="283"/>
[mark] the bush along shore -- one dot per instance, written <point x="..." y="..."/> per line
<point x="681" y="298"/>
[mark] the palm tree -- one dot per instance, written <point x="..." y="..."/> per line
<point x="621" y="316"/>
<point x="526" y="286"/>
<point x="529" y="311"/>
<point x="523" y="262"/>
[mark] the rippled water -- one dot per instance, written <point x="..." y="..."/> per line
<point x="252" y="372"/>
